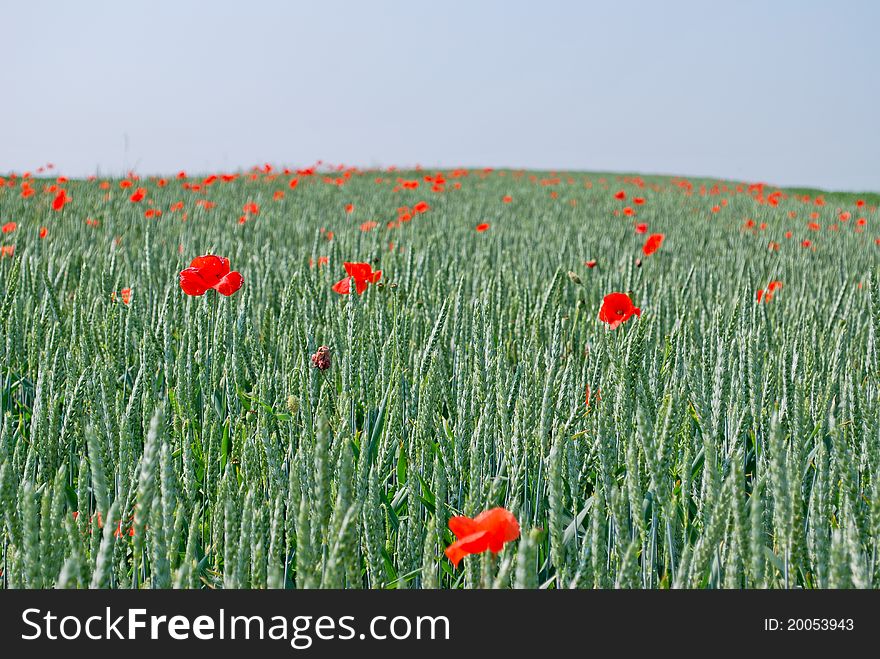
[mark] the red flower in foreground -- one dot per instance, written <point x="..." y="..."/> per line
<point x="590" y="264"/>
<point x="9" y="227"/>
<point x="483" y="227"/>
<point x="652" y="244"/>
<point x="362" y="274"/>
<point x="617" y="308"/>
<point x="210" y="271"/>
<point x="620" y="195"/>
<point x="487" y="531"/>
<point x="138" y="195"/>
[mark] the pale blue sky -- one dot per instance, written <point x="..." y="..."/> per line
<point x="783" y="92"/>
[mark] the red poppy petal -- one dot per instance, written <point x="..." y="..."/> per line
<point x="501" y="526"/>
<point x="343" y="287"/>
<point x="213" y="268"/>
<point x="455" y="553"/>
<point x="474" y="543"/>
<point x="192" y="283"/>
<point x="358" y="270"/>
<point x="229" y="284"/>
<point x="463" y="526"/>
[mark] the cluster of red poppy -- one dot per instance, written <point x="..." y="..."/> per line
<point x="212" y="271"/>
<point x="767" y="295"/>
<point x="117" y="533"/>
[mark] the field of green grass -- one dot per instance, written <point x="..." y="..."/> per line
<point x="720" y="439"/>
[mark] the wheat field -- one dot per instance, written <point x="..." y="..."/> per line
<point x="311" y="431"/>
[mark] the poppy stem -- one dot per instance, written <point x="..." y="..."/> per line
<point x="332" y="394"/>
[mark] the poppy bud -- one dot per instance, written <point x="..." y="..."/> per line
<point x="321" y="358"/>
<point x="574" y="277"/>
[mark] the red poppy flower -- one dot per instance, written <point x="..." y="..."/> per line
<point x="506" y="199"/>
<point x="138" y="195"/>
<point x="60" y="200"/>
<point x="642" y="228"/>
<point x="210" y="271"/>
<point x="43" y="232"/>
<point x="638" y="200"/>
<point x="652" y="244"/>
<point x="349" y="208"/>
<point x="9" y="227"/>
<point x="7" y="250"/>
<point x="483" y="227"/>
<point x="487" y="531"/>
<point x="363" y="275"/>
<point x="421" y="207"/>
<point x="590" y="264"/>
<point x="617" y="308"/>
<point x="620" y="195"/>
<point x="126" y="295"/>
<point x="369" y="225"/>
